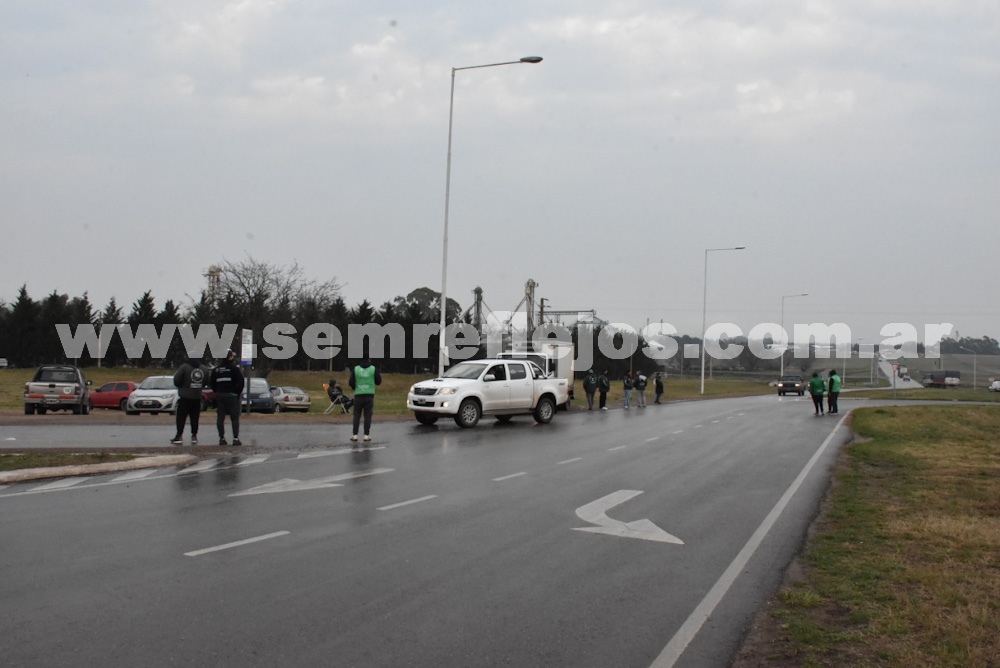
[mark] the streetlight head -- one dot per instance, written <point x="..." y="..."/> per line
<point x="531" y="59"/>
<point x="740" y="248"/>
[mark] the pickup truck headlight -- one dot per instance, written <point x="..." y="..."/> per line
<point x="447" y="390"/>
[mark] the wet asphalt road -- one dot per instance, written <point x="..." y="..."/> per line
<point x="432" y="547"/>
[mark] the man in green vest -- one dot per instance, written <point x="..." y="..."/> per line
<point x="834" y="392"/>
<point x="817" y="387"/>
<point x="364" y="378"/>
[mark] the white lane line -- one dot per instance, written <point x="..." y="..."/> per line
<point x="508" y="477"/>
<point x="256" y="459"/>
<point x="320" y="453"/>
<point x="357" y="449"/>
<point x="134" y="475"/>
<point x="715" y="422"/>
<point x="59" y="484"/>
<point x="698" y="426"/>
<point x="675" y="648"/>
<point x="570" y="461"/>
<point x="617" y="447"/>
<point x="200" y="466"/>
<point x="679" y="431"/>
<point x="238" y="543"/>
<point x="650" y="440"/>
<point x="406" y="503"/>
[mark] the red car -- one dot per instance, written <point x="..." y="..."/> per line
<point x="112" y="395"/>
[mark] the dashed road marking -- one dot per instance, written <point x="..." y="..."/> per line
<point x="650" y="440"/>
<point x="238" y="543"/>
<point x="256" y="459"/>
<point x="407" y="503"/>
<point x="508" y="477"/>
<point x="570" y="461"/>
<point x="134" y="475"/>
<point x="59" y="484"/>
<point x="200" y="467"/>
<point x="617" y="447"/>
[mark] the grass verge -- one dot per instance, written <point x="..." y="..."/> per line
<point x="903" y="566"/>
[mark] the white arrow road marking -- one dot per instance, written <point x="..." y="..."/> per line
<point x="594" y="512"/>
<point x="293" y="485"/>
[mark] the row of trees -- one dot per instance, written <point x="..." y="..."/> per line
<point x="255" y="294"/>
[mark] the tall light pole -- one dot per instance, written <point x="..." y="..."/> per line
<point x="783" y="298"/>
<point x="442" y="348"/>
<point x="704" y="308"/>
<point x="974" y="358"/>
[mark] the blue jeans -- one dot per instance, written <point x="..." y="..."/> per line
<point x="628" y="396"/>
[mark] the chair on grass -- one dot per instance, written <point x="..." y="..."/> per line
<point x="337" y="398"/>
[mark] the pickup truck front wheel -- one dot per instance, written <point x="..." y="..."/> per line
<point x="425" y="418"/>
<point x="544" y="411"/>
<point x="468" y="414"/>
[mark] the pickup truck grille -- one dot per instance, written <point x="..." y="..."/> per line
<point x="425" y="391"/>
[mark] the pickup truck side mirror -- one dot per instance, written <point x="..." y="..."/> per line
<point x="489" y="378"/>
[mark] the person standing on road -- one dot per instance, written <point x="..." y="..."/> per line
<point x="833" y="393"/>
<point x="227" y="382"/>
<point x="627" y="384"/>
<point x="657" y="387"/>
<point x="817" y="387"/>
<point x="189" y="381"/>
<point x="364" y="378"/>
<point x="640" y="388"/>
<point x="603" y="385"/>
<point x="589" y="388"/>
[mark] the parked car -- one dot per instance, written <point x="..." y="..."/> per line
<point x="57" y="387"/>
<point x="112" y="395"/>
<point x="792" y="383"/>
<point x="994" y="386"/>
<point x="261" y="400"/>
<point x="156" y="394"/>
<point x="290" y="398"/>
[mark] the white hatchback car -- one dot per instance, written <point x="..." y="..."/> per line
<point x="156" y="394"/>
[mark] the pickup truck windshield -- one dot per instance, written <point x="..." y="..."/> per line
<point x="464" y="370"/>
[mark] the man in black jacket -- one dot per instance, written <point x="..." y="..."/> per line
<point x="227" y="382"/>
<point x="189" y="381"/>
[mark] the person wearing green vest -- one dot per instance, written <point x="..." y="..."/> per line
<point x="834" y="392"/>
<point x="817" y="387"/>
<point x="364" y="378"/>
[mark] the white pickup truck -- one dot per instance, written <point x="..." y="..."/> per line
<point x="501" y="388"/>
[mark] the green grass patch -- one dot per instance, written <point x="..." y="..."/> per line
<point x="902" y="568"/>
<point x="33" y="460"/>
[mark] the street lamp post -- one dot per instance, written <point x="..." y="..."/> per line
<point x="442" y="348"/>
<point x="783" y="298"/>
<point x="974" y="358"/>
<point x="704" y="308"/>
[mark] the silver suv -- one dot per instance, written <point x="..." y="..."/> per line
<point x="57" y="387"/>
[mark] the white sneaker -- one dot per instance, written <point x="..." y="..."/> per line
<point x="367" y="437"/>
<point x="354" y="437"/>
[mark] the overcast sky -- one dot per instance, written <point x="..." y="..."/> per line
<point x="852" y="146"/>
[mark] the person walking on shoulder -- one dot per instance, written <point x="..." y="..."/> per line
<point x="657" y="387"/>
<point x="189" y="381"/>
<point x="589" y="388"/>
<point x="833" y="392"/>
<point x="817" y="387"/>
<point x="227" y="381"/>
<point x="627" y="384"/>
<point x="603" y="385"/>
<point x="364" y="378"/>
